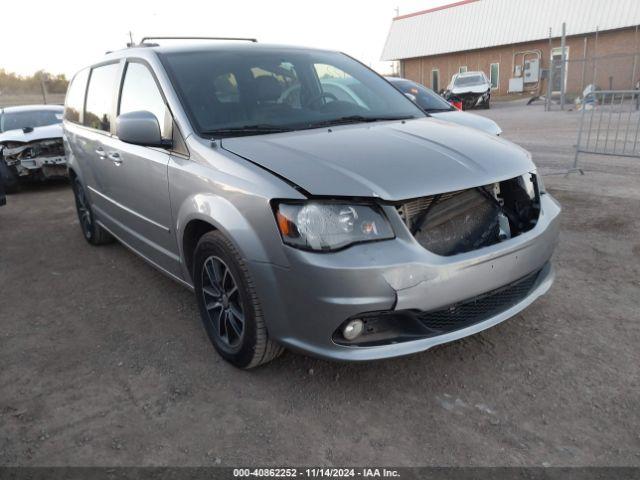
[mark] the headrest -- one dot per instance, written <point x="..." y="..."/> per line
<point x="268" y="89"/>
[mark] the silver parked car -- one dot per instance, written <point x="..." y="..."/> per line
<point x="349" y="231"/>
<point x="436" y="106"/>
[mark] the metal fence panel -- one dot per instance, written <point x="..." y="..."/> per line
<point x="609" y="124"/>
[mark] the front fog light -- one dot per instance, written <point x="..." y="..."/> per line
<point x="353" y="329"/>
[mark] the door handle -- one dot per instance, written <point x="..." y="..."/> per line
<point x="115" y="158"/>
<point x="100" y="152"/>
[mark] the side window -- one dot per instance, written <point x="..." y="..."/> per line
<point x="140" y="92"/>
<point x="74" y="101"/>
<point x="100" y="97"/>
<point x="331" y="76"/>
<point x="226" y="88"/>
<point x="339" y="93"/>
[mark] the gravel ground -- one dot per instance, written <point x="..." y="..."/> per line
<point x="104" y="361"/>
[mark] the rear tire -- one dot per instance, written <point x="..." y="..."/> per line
<point x="229" y="305"/>
<point x="92" y="232"/>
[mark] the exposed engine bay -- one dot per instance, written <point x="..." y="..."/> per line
<point x="38" y="159"/>
<point x="466" y="220"/>
<point x="31" y="145"/>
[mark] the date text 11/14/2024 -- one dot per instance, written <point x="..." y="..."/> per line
<point x="315" y="473"/>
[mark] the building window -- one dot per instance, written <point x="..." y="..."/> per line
<point x="435" y="79"/>
<point x="494" y="75"/>
<point x="462" y="69"/>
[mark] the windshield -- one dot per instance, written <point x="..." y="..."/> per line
<point x="33" y="119"/>
<point x="426" y="98"/>
<point x="276" y="89"/>
<point x="470" y="80"/>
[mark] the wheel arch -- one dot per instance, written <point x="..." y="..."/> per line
<point x="193" y="231"/>
<point x="202" y="213"/>
<point x="72" y="173"/>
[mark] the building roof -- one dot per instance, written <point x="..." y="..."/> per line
<point x="474" y="24"/>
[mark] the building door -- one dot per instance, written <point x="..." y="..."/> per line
<point x="556" y="69"/>
<point x="435" y="80"/>
<point x="494" y="75"/>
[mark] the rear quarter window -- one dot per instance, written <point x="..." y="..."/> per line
<point x="74" y="101"/>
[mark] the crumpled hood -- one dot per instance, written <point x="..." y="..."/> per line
<point x="38" y="133"/>
<point x="390" y="160"/>
<point x="481" y="88"/>
<point x="470" y="120"/>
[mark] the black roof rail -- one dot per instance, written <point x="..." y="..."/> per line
<point x="241" y="39"/>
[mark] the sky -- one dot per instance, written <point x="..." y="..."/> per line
<point x="64" y="36"/>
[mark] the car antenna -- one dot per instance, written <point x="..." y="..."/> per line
<point x="131" y="43"/>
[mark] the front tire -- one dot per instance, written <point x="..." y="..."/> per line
<point x="228" y="303"/>
<point x="93" y="233"/>
<point x="9" y="180"/>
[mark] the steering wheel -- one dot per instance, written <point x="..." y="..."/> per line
<point x="313" y="101"/>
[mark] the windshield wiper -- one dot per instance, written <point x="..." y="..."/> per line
<point x="357" y="119"/>
<point x="257" y="129"/>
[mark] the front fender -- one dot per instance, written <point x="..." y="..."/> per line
<point x="230" y="221"/>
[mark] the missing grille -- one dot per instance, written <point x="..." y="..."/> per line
<point x="466" y="220"/>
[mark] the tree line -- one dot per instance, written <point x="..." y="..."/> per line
<point x="13" y="84"/>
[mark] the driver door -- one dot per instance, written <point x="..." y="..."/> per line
<point x="138" y="176"/>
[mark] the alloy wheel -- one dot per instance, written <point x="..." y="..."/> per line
<point x="222" y="302"/>
<point x="84" y="213"/>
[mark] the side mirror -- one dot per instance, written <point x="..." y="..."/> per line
<point x="411" y="97"/>
<point x="139" y="128"/>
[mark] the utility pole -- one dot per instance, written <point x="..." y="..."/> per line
<point x="551" y="73"/>
<point x="43" y="87"/>
<point x="563" y="66"/>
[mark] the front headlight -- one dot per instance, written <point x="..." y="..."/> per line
<point x="541" y="187"/>
<point x="330" y="225"/>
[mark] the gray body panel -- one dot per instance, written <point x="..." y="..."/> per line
<point x="148" y="200"/>
<point x="391" y="160"/>
<point x="469" y="120"/>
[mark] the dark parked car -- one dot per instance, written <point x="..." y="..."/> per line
<point x="438" y="107"/>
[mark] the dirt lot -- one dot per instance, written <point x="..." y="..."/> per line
<point x="104" y="360"/>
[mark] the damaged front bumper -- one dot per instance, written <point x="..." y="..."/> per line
<point x="470" y="99"/>
<point x="308" y="302"/>
<point x="39" y="159"/>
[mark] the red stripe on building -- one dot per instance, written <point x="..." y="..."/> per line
<point x="435" y="9"/>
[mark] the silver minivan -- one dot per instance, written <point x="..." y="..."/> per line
<point x="302" y="219"/>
